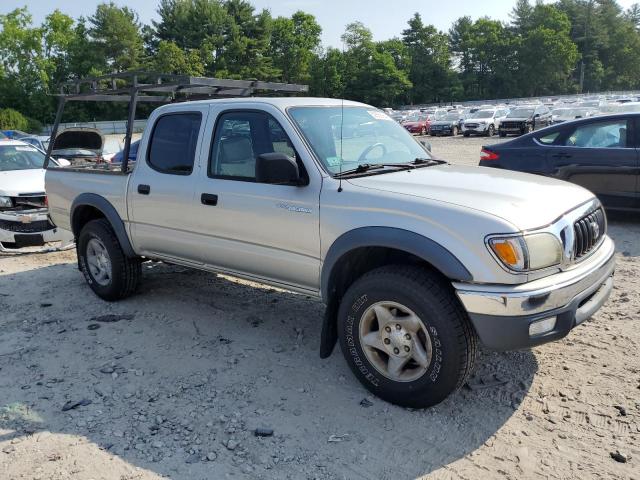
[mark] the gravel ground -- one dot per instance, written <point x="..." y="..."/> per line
<point x="174" y="382"/>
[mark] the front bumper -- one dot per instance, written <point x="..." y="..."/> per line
<point x="476" y="129"/>
<point x="30" y="231"/>
<point x="502" y="315"/>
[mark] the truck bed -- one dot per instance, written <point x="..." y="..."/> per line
<point x="64" y="185"/>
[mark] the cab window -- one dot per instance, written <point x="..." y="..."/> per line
<point x="239" y="138"/>
<point x="611" y="134"/>
<point x="172" y="147"/>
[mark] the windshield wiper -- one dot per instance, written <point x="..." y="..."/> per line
<point x="426" y="162"/>
<point x="365" y="167"/>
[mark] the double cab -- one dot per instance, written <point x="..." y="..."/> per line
<point x="417" y="260"/>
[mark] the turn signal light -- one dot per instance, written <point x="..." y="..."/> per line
<point x="486" y="154"/>
<point x="506" y="252"/>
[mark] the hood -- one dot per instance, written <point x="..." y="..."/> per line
<point x="15" y="182"/>
<point x="524" y="200"/>
<point x="516" y="119"/>
<point x="85" y="138"/>
<point x="411" y="124"/>
<point x="445" y="122"/>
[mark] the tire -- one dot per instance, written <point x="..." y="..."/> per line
<point x="528" y="129"/>
<point x="454" y="132"/>
<point x="490" y="130"/>
<point x="423" y="131"/>
<point x="97" y="240"/>
<point x="445" y="332"/>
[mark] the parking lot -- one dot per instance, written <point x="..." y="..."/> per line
<point x="174" y="381"/>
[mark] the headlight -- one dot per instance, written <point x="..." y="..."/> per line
<point x="527" y="252"/>
<point x="5" y="202"/>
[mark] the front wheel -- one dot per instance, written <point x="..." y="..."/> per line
<point x="490" y="131"/>
<point x="405" y="336"/>
<point x="423" y="131"/>
<point x="454" y="131"/>
<point x="108" y="271"/>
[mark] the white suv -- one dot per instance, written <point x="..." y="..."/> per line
<point x="484" y="122"/>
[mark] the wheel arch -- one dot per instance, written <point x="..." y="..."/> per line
<point x="363" y="249"/>
<point x="90" y="206"/>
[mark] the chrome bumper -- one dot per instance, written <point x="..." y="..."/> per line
<point x="548" y="293"/>
<point x="502" y="314"/>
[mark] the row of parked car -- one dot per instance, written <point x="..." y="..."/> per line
<point x="517" y="119"/>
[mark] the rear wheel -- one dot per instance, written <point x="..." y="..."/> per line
<point x="405" y="336"/>
<point x="490" y="131"/>
<point x="454" y="131"/>
<point x="108" y="271"/>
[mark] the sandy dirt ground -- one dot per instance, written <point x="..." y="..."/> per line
<point x="174" y="381"/>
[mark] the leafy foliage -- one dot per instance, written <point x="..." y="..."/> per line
<point x="546" y="48"/>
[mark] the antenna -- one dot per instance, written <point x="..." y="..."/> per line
<point x="341" y="120"/>
<point x="341" y="124"/>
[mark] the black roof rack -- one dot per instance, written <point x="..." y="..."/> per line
<point x="151" y="87"/>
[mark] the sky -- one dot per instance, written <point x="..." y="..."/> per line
<point x="385" y="18"/>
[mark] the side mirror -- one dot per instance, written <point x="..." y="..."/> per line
<point x="536" y="115"/>
<point x="426" y="145"/>
<point x="278" y="169"/>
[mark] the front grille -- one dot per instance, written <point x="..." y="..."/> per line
<point x="511" y="124"/>
<point x="588" y="231"/>
<point x="33" y="227"/>
<point x="471" y="125"/>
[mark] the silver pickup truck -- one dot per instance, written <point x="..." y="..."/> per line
<point x="416" y="259"/>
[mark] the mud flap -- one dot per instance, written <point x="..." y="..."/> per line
<point x="329" y="335"/>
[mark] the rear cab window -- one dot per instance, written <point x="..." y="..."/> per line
<point x="172" y="147"/>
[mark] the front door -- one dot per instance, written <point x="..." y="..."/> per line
<point x="601" y="157"/>
<point x="256" y="229"/>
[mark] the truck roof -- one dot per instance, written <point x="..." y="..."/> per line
<point x="278" y="102"/>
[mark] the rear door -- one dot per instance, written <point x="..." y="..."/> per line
<point x="599" y="155"/>
<point x="161" y="190"/>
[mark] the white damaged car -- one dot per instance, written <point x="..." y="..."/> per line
<point x="24" y="215"/>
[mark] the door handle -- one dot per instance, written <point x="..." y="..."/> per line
<point x="209" y="199"/>
<point x="144" y="189"/>
<point x="561" y="155"/>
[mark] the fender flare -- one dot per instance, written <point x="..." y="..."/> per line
<point x="397" y="238"/>
<point x="110" y="213"/>
<point x="422" y="247"/>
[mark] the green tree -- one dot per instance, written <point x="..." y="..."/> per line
<point x="371" y="74"/>
<point x="328" y="74"/>
<point x="116" y="33"/>
<point x="294" y="42"/>
<point x="11" y="119"/>
<point x="546" y="55"/>
<point x="430" y="62"/>
<point x="169" y="58"/>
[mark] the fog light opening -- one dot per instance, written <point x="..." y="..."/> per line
<point x="540" y="327"/>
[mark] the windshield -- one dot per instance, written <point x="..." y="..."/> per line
<point x="20" y="157"/>
<point x="483" y="114"/>
<point x="521" y="113"/>
<point x="369" y="136"/>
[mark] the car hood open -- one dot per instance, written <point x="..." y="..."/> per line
<point x="526" y="201"/>
<point x="79" y="138"/>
